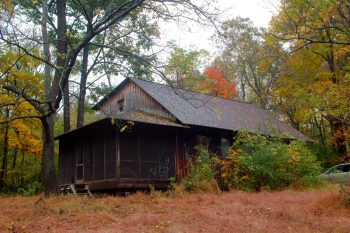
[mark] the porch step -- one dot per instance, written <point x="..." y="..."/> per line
<point x="76" y="189"/>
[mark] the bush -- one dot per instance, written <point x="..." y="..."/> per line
<point x="201" y="172"/>
<point x="33" y="189"/>
<point x="258" y="162"/>
<point x="326" y="154"/>
<point x="22" y="176"/>
<point x="305" y="167"/>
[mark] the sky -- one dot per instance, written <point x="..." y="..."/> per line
<point x="194" y="37"/>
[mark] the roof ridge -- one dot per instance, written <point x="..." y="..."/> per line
<point x="196" y="92"/>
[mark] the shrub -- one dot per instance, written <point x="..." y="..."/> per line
<point x="201" y="172"/>
<point x="262" y="167"/>
<point x="33" y="189"/>
<point x="305" y="167"/>
<point x="326" y="154"/>
<point x="258" y="162"/>
<point x="23" y="175"/>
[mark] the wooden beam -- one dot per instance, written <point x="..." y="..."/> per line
<point x="118" y="155"/>
<point x="124" y="183"/>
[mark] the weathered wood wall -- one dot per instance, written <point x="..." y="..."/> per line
<point x="133" y="158"/>
<point x="66" y="164"/>
<point x="135" y="99"/>
<point x="140" y="154"/>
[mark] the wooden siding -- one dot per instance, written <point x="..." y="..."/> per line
<point x="102" y="156"/>
<point x="141" y="155"/>
<point x="135" y="99"/>
<point x="66" y="162"/>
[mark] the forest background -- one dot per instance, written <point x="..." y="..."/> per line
<point x="58" y="58"/>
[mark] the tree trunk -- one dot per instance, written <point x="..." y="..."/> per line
<point x="47" y="165"/>
<point x="22" y="169"/>
<point x="46" y="50"/>
<point x="337" y="131"/>
<point x="243" y="88"/>
<point x="62" y="51"/>
<point x="337" y="127"/>
<point x="14" y="161"/>
<point x="82" y="91"/>
<point x="331" y="64"/>
<point x="66" y="108"/>
<point x="4" y="158"/>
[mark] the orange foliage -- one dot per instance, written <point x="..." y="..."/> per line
<point x="216" y="84"/>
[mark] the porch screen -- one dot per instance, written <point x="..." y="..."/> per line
<point x="147" y="154"/>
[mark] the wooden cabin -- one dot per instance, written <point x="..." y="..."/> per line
<point x="148" y="129"/>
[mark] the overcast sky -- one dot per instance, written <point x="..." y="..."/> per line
<point x="259" y="11"/>
<point x="191" y="36"/>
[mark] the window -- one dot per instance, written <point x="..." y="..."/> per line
<point x="203" y="140"/>
<point x="224" y="146"/>
<point x="339" y="169"/>
<point x="121" y="105"/>
<point x="346" y="168"/>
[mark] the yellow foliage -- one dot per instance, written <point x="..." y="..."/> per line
<point x="23" y="134"/>
<point x="293" y="155"/>
<point x="306" y="85"/>
<point x="7" y="5"/>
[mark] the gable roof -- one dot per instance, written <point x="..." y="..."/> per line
<point x="192" y="108"/>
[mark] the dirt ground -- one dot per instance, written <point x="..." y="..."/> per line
<point x="283" y="211"/>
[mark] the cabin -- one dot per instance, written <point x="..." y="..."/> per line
<point x="147" y="131"/>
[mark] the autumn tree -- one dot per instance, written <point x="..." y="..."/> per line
<point x="215" y="83"/>
<point x="316" y="33"/>
<point x="19" y="138"/>
<point x="313" y="22"/>
<point x="66" y="50"/>
<point x="250" y="59"/>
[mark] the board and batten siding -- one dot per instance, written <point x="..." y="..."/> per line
<point x="135" y="99"/>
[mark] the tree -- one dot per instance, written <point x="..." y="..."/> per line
<point x="244" y="53"/>
<point x="317" y="34"/>
<point x="20" y="136"/>
<point x="110" y="52"/>
<point x="183" y="67"/>
<point x="216" y="84"/>
<point x="313" y="22"/>
<point x="184" y="70"/>
<point x="67" y="49"/>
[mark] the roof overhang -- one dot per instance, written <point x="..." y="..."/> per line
<point x="120" y="121"/>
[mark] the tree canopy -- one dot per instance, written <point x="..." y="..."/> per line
<point x="58" y="57"/>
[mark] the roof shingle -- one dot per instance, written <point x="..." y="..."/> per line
<point x="193" y="108"/>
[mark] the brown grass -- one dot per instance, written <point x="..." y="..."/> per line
<point x="283" y="211"/>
